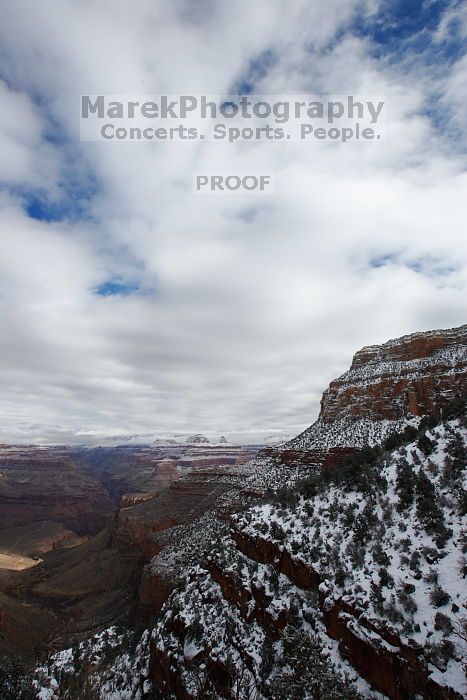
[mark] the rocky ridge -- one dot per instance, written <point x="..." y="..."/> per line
<point x="387" y="385"/>
<point x="248" y="591"/>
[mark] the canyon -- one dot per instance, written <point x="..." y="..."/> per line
<point x="212" y="547"/>
<point x="67" y="567"/>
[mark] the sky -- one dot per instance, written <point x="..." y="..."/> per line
<point x="130" y="304"/>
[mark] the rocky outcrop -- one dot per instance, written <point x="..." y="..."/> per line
<point x="267" y="552"/>
<point x="197" y="440"/>
<point x="323" y="459"/>
<point x="395" y="669"/>
<point x="251" y="602"/>
<point x="406" y="378"/>
<point x="414" y="375"/>
<point x="154" y="590"/>
<point x="128" y="500"/>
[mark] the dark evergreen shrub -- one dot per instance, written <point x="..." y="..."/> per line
<point x="439" y="597"/>
<point x="306" y="673"/>
<point x="443" y="623"/>
<point x="405" y="484"/>
<point x="425" y="445"/>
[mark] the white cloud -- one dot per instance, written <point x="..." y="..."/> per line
<point x="245" y="308"/>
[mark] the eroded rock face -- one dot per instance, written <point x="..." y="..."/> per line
<point x="414" y="375"/>
<point x="153" y="591"/>
<point x="197" y="440"/>
<point x="38" y="484"/>
<point x="396" y="669"/>
<point x="145" y="525"/>
<point x="386" y="385"/>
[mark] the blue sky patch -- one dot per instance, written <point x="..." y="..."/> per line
<point x="112" y="288"/>
<point x="42" y="210"/>
<point x="72" y="205"/>
<point x="257" y="70"/>
<point x="406" y="26"/>
<point x="400" y="19"/>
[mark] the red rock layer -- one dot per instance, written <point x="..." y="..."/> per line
<point x="414" y="375"/>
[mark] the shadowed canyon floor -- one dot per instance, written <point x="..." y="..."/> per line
<point x="64" y="570"/>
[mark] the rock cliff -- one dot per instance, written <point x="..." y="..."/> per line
<point x="388" y="385"/>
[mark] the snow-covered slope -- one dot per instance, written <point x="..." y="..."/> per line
<point x="111" y="665"/>
<point x="389" y="541"/>
<point x="344" y="584"/>
<point x="319" y="570"/>
<point x="366" y="561"/>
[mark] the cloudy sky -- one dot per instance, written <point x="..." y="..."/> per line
<point x="130" y="304"/>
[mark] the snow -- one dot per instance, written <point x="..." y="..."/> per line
<point x="122" y="676"/>
<point x="198" y="624"/>
<point x="326" y="542"/>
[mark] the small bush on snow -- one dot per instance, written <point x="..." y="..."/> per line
<point x="439" y="597"/>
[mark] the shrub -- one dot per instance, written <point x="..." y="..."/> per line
<point x="414" y="564"/>
<point x="377" y="599"/>
<point x="439" y="654"/>
<point x="395" y="440"/>
<point x="294" y="547"/>
<point x="439" y="597"/>
<point x="443" y="534"/>
<point x="306" y="673"/>
<point x="277" y="531"/>
<point x="431" y="576"/>
<point x="380" y="556"/>
<point x="456" y="408"/>
<point x="405" y="484"/>
<point x="443" y="623"/>
<point x="356" y="553"/>
<point x="15" y="681"/>
<point x="385" y="578"/>
<point x="405" y="543"/>
<point x="348" y="518"/>
<point x="463" y="504"/>
<point x="425" y="445"/>
<point x="428" y="511"/>
<point x="364" y="524"/>
<point x="392" y="613"/>
<point x="406" y="600"/>
<point x="267" y="658"/>
<point x="456" y="460"/>
<point x="340" y="575"/>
